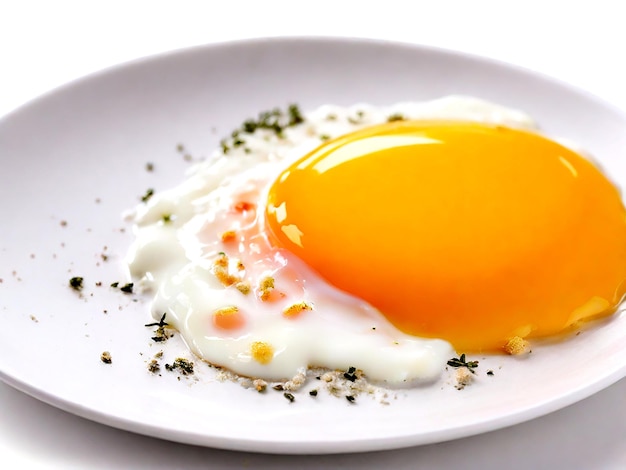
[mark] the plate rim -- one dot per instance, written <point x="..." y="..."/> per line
<point x="251" y="41"/>
<point x="325" y="447"/>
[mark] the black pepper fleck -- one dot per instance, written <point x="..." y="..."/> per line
<point x="127" y="288"/>
<point x="76" y="283"/>
<point x="350" y="374"/>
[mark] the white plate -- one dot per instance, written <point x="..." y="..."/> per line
<point x="79" y="154"/>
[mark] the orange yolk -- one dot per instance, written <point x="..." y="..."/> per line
<point x="467" y="232"/>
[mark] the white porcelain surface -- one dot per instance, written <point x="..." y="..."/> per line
<point x="577" y="436"/>
<point x="84" y="149"/>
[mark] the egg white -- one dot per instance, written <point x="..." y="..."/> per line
<point x="175" y="259"/>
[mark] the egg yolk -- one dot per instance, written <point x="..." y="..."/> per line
<point x="468" y="232"/>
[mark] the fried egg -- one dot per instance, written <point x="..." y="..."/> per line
<point x="381" y="238"/>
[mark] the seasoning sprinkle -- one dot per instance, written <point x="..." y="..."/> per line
<point x="396" y="117"/>
<point x="127" y="288"/>
<point x="106" y="357"/>
<point x="275" y="120"/>
<point x="146" y="197"/>
<point x="154" y="366"/>
<point x="259" y="385"/>
<point x="76" y="283"/>
<point x="184" y="366"/>
<point x="350" y="374"/>
<point x="160" y="335"/>
<point x="161" y="322"/>
<point x="461" y="362"/>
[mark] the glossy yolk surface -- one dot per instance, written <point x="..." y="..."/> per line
<point x="461" y="231"/>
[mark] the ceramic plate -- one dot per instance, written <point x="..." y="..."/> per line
<point x="75" y="160"/>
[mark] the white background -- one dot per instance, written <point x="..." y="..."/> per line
<point x="46" y="44"/>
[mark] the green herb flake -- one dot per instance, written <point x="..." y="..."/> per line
<point x="461" y="362"/>
<point x="275" y="120"/>
<point x="115" y="284"/>
<point x="324" y="137"/>
<point x="289" y="396"/>
<point x="160" y="335"/>
<point x="146" y="197"/>
<point x="313" y="393"/>
<point x="295" y="116"/>
<point x="76" y="283"/>
<point x="357" y="119"/>
<point x="249" y="126"/>
<point x="350" y="398"/>
<point x="160" y="323"/>
<point x="150" y="166"/>
<point x="127" y="288"/>
<point x="166" y="218"/>
<point x="396" y="117"/>
<point x="184" y="366"/>
<point x="490" y="372"/>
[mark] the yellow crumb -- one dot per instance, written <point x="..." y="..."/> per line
<point x="262" y="352"/>
<point x="295" y="383"/>
<point x="220" y="270"/>
<point x="228" y="310"/>
<point x="516" y="345"/>
<point x="260" y="385"/>
<point x="228" y="235"/>
<point x="463" y="377"/>
<point x="240" y="266"/>
<point x="266" y="283"/>
<point x="222" y="260"/>
<point x="327" y="377"/>
<point x="243" y="287"/>
<point x="225" y="277"/>
<point x="266" y="286"/>
<point x="297" y="308"/>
